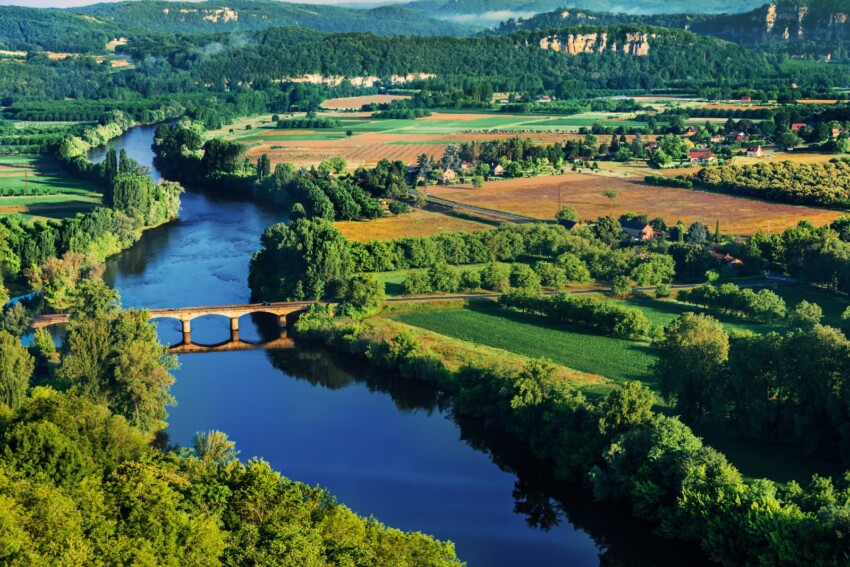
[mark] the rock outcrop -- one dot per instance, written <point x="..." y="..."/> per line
<point x="633" y="43"/>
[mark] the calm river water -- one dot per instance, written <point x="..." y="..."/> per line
<point x="384" y="447"/>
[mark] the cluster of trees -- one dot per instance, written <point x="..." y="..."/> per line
<point x="814" y="183"/>
<point x="580" y="255"/>
<point x="318" y="194"/>
<point x="308" y="122"/>
<point x="605" y="316"/>
<point x="517" y="155"/>
<point x="789" y="387"/>
<point x="820" y="256"/>
<point x="763" y="305"/>
<point x="623" y="451"/>
<point x="402" y="113"/>
<point x="677" y="182"/>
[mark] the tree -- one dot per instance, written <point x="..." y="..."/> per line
<point x="621" y="286"/>
<point x="264" y="166"/>
<point x="691" y="356"/>
<point x="610" y="194"/>
<point x="214" y="448"/>
<point x="306" y="259"/>
<point x="608" y="230"/>
<point x="697" y="233"/>
<point x="788" y="140"/>
<point x="16" y="368"/>
<point x="349" y="133"/>
<point x="567" y="213"/>
<point x="717" y="232"/>
<point x="364" y="296"/>
<point x="90" y="298"/>
<point x="478" y="181"/>
<point x="805" y="315"/>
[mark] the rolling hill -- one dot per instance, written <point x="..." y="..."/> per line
<point x="214" y="16"/>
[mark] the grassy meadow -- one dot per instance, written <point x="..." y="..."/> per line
<point x="36" y="187"/>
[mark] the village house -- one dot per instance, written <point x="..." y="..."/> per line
<point x="739" y="136"/>
<point x="701" y="155"/>
<point x="835" y="132"/>
<point x="498" y="170"/>
<point x="448" y="175"/>
<point x="465" y="165"/>
<point x="637" y="230"/>
<point x="727" y="259"/>
<point x="689" y="132"/>
<point x="746" y="99"/>
<point x="651" y="146"/>
<point x="797" y="126"/>
<point x="755" y="151"/>
<point x="544" y="99"/>
<point x="717" y="138"/>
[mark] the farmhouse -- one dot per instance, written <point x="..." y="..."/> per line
<point x="637" y="230"/>
<point x="755" y="151"/>
<point x="797" y="126"/>
<point x="835" y="132"/>
<point x="448" y="175"/>
<point x="690" y="132"/>
<point x="702" y="155"/>
<point x="651" y="146"/>
<point x="498" y="170"/>
<point x="746" y="99"/>
<point x="739" y="136"/>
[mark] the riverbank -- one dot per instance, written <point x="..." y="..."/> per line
<point x="614" y="444"/>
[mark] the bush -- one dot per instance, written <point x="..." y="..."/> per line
<point x="662" y="290"/>
<point x="470" y="279"/>
<point x="363" y="297"/>
<point x="496" y="277"/>
<point x="621" y="286"/>
<point x="399" y="207"/>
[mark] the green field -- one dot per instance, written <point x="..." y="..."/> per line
<point x="534" y="336"/>
<point x="37" y="187"/>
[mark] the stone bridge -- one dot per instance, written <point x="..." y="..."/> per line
<point x="186" y="315"/>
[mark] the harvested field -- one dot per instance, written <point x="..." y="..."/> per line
<point x="357" y="102"/>
<point x="416" y="223"/>
<point x="538" y="197"/>
<point x="375" y="139"/>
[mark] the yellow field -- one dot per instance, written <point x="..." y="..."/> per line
<point x="416" y="223"/>
<point x="538" y="197"/>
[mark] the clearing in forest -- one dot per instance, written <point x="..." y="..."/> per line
<point x="36" y="186"/>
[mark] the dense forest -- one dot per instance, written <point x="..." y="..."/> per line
<point x="512" y="62"/>
<point x="29" y="29"/>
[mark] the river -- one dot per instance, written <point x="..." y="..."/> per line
<point x="382" y="446"/>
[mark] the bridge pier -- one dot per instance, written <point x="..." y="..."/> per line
<point x="187" y="326"/>
<point x="282" y="320"/>
<point x="234" y="324"/>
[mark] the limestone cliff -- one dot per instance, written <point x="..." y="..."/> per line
<point x="631" y="43"/>
<point x="784" y="21"/>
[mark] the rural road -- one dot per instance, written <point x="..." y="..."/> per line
<point x="508" y="217"/>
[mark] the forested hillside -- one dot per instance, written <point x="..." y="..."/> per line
<point x="512" y="62"/>
<point x="25" y="29"/>
<point x="248" y="15"/>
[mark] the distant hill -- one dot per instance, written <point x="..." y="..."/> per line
<point x="781" y="22"/>
<point x="29" y="29"/>
<point x="784" y="21"/>
<point x="249" y="15"/>
<point x="489" y="12"/>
